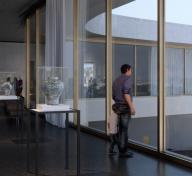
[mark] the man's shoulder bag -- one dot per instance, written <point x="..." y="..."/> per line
<point x="121" y="109"/>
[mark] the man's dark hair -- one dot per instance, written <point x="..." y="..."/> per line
<point x="125" y="67"/>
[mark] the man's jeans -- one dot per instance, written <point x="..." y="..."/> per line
<point x="124" y="120"/>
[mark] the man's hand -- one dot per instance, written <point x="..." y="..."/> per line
<point x="133" y="110"/>
<point x="130" y="104"/>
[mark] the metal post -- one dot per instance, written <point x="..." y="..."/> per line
<point x="135" y="70"/>
<point x="75" y="57"/>
<point x="161" y="88"/>
<point x="17" y="119"/>
<point x="28" y="140"/>
<point x="28" y="40"/>
<point x="37" y="53"/>
<point x="78" y="143"/>
<point x="67" y="141"/>
<point x="108" y="60"/>
<point x="36" y="141"/>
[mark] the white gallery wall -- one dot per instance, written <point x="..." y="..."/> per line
<point x="12" y="57"/>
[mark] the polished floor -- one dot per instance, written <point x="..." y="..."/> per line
<point x="94" y="158"/>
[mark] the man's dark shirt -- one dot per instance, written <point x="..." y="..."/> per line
<point x="122" y="85"/>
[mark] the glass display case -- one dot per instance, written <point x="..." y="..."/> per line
<point x="53" y="88"/>
<point x="8" y="83"/>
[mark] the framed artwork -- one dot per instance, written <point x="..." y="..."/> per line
<point x="88" y="73"/>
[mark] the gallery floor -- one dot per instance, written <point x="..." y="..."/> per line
<point x="94" y="158"/>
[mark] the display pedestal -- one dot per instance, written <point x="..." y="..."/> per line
<point x="52" y="110"/>
<point x="9" y="97"/>
<point x="45" y="107"/>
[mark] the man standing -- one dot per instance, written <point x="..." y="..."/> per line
<point x="122" y="95"/>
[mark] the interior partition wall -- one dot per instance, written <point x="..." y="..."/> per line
<point x="103" y="35"/>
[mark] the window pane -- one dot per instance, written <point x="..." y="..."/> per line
<point x="92" y="70"/>
<point x="33" y="61"/>
<point x="135" y="42"/>
<point x="188" y="72"/>
<point x="174" y="68"/>
<point x="122" y="54"/>
<point x="92" y="58"/>
<point x="178" y="76"/>
<point x="146" y="71"/>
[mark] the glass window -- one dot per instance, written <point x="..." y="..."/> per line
<point x="146" y="71"/>
<point x="123" y="54"/>
<point x="42" y="46"/>
<point x="92" y="59"/>
<point x="92" y="62"/>
<point x="33" y="61"/>
<point x="178" y="75"/>
<point x="174" y="68"/>
<point x="188" y="72"/>
<point x="132" y="31"/>
<point x="68" y="52"/>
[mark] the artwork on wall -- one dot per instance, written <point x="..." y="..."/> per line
<point x="89" y="73"/>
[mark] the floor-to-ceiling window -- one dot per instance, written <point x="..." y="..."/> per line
<point x="178" y="76"/>
<point x="68" y="54"/>
<point x="42" y="21"/>
<point x="188" y="72"/>
<point x="41" y="63"/>
<point x="123" y="53"/>
<point x="134" y="33"/>
<point x="32" y="63"/>
<point x="92" y="60"/>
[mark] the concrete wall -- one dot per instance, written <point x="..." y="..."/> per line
<point x="143" y="127"/>
<point x="94" y="108"/>
<point x="141" y="29"/>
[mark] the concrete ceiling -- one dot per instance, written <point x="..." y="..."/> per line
<point x="12" y="29"/>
